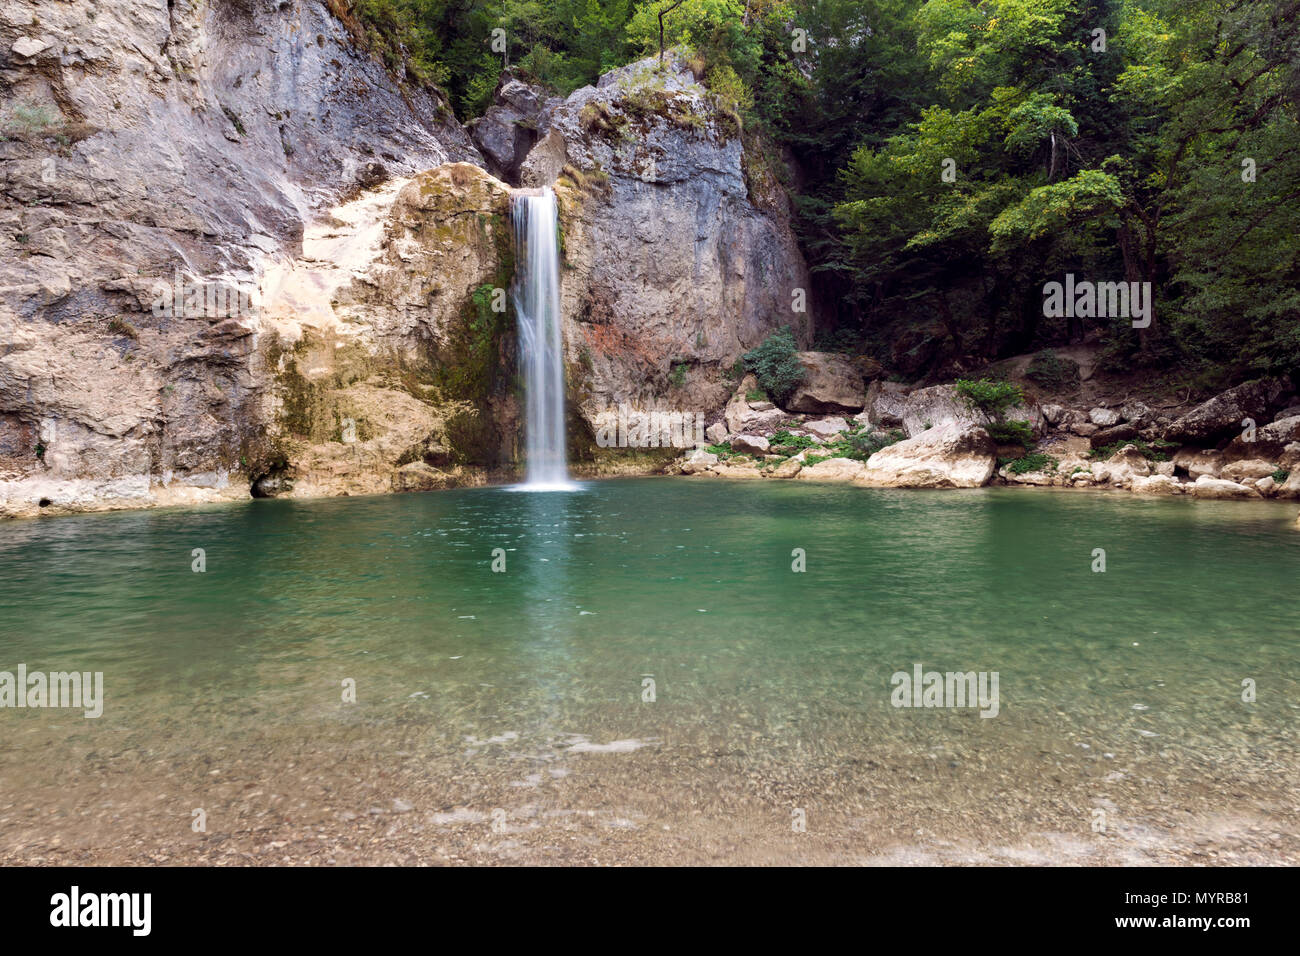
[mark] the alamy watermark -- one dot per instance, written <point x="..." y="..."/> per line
<point x="953" y="689"/>
<point x="1098" y="300"/>
<point x="626" y="427"/>
<point x="55" y="689"/>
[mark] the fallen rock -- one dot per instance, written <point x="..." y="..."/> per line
<point x="1084" y="429"/>
<point x="698" y="461"/>
<point x="1251" y="469"/>
<point x="1266" y="486"/>
<point x="1291" y="487"/>
<point x="1219" y="488"/>
<point x="1053" y="414"/>
<point x="1223" y="414"/>
<point x="830" y="384"/>
<point x="826" y="427"/>
<point x="1103" y="417"/>
<point x="833" y="469"/>
<point x="947" y="456"/>
<point x="733" y="469"/>
<point x="1290" y="458"/>
<point x="886" y="403"/>
<point x="787" y="469"/>
<point x="1155" y="485"/>
<point x="750" y="444"/>
<point x="716" y="433"/>
<point x="1124" y="431"/>
<point x="1197" y="462"/>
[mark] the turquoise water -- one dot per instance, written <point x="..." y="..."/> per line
<point x="687" y="583"/>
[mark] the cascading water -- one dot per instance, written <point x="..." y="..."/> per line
<point x="536" y="293"/>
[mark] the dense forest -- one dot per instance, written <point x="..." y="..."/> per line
<point x="948" y="158"/>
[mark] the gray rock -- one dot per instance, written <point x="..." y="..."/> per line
<point x="716" y="433"/>
<point x="1223" y="414"/>
<point x="750" y="444"/>
<point x="830" y="384"/>
<point x="1103" y="417"/>
<point x="951" y="455"/>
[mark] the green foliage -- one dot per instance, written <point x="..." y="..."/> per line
<point x="1053" y="372"/>
<point x="794" y="443"/>
<point x="1281" y="475"/>
<point x="677" y="377"/>
<point x="775" y="364"/>
<point x="1154" y="451"/>
<point x="990" y="396"/>
<point x="1014" y="432"/>
<point x="722" y="450"/>
<point x="1034" y="462"/>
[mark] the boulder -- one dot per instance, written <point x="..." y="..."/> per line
<point x="750" y="444"/>
<point x="507" y="131"/>
<point x="952" y="455"/>
<point x="826" y="427"/>
<point x="1289" y="460"/>
<point x="1103" y="417"/>
<point x="1248" y="470"/>
<point x="787" y="469"/>
<point x="831" y="384"/>
<point x="1219" y="488"/>
<point x="1266" y="486"/>
<point x="743" y="470"/>
<point x="1084" y="429"/>
<point x="886" y="403"/>
<point x="833" y="469"/>
<point x="1291" y="487"/>
<point x="1155" y="485"/>
<point x="716" y="433"/>
<point x="740" y="417"/>
<point x="1197" y="462"/>
<point x="1223" y="414"/>
<point x="1053" y="414"/>
<point x="1136" y="413"/>
<point x="1163" y="468"/>
<point x="1267" y="442"/>
<point x="1127" y="464"/>
<point x="698" y="461"/>
<point x="1108" y="436"/>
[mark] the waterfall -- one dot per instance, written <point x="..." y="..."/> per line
<point x="536" y="294"/>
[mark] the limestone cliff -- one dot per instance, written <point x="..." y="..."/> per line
<point x="152" y="150"/>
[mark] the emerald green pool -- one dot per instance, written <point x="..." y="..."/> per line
<point x="523" y="690"/>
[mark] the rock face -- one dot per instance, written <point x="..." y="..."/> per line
<point x="177" y="152"/>
<point x="946" y="456"/>
<point x="831" y="384"/>
<point x="678" y="252"/>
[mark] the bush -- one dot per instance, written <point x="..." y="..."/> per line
<point x="989" y="396"/>
<point x="1281" y="475"/>
<point x="1053" y="372"/>
<point x="784" y="439"/>
<point x="677" y="378"/>
<point x="1156" y="451"/>
<point x="1034" y="462"/>
<point x="1015" y="432"/>
<point x="775" y="365"/>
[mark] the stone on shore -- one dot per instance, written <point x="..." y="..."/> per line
<point x="947" y="456"/>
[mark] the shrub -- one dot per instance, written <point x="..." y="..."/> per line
<point x="1156" y="451"/>
<point x="784" y="439"/>
<point x="1281" y="475"/>
<point x="989" y="396"/>
<point x="775" y="364"/>
<point x="1034" y="462"/>
<point x="677" y="378"/>
<point x="1014" y="432"/>
<point x="1053" y="372"/>
<point x="722" y="450"/>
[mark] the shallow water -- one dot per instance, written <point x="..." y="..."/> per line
<point x="524" y="689"/>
